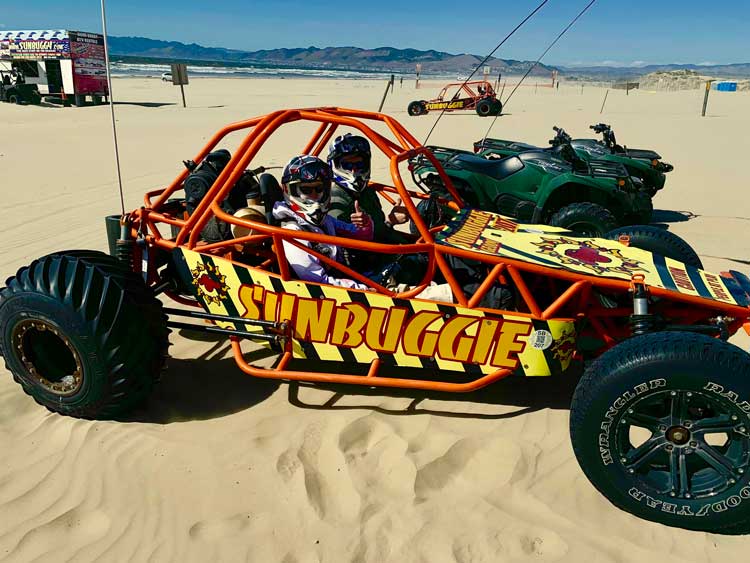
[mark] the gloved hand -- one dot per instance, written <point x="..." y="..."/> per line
<point x="398" y="215"/>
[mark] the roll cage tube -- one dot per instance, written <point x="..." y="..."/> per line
<point x="264" y="127"/>
<point x="330" y="119"/>
<point x="467" y="88"/>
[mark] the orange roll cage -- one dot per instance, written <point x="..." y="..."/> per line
<point x="575" y="301"/>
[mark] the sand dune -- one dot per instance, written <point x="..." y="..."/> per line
<point x="221" y="467"/>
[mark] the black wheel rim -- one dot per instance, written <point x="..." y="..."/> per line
<point x="699" y="444"/>
<point x="48" y="357"/>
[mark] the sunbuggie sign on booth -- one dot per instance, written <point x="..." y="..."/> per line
<point x="35" y="45"/>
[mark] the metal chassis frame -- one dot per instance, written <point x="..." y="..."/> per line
<point x="578" y="295"/>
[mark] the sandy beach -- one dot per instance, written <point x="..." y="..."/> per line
<point x="221" y="467"/>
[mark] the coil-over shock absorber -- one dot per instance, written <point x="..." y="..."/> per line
<point x="641" y="321"/>
<point x="125" y="244"/>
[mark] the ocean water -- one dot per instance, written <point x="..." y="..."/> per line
<point x="156" y="70"/>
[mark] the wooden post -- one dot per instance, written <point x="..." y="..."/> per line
<point x="627" y="88"/>
<point x="581" y="89"/>
<point x="388" y="85"/>
<point x="605" y="100"/>
<point x="393" y="82"/>
<point x="419" y="69"/>
<point x="705" y="97"/>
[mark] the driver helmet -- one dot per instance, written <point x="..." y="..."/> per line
<point x="349" y="158"/>
<point x="306" y="183"/>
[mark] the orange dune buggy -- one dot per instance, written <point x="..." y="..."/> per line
<point x="660" y="420"/>
<point x="477" y="95"/>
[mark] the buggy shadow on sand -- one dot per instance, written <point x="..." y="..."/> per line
<point x="659" y="421"/>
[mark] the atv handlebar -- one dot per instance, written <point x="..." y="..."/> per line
<point x="561" y="137"/>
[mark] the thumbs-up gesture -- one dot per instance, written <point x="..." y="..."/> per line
<point x="359" y="218"/>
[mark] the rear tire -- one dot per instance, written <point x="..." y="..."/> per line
<point x="484" y="108"/>
<point x="416" y="108"/>
<point x="82" y="334"/>
<point x="497" y="107"/>
<point x="658" y="241"/>
<point x="14" y="99"/>
<point x="659" y="425"/>
<point x="584" y="219"/>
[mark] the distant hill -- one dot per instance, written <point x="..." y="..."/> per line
<point x="387" y="59"/>
<point x="737" y="70"/>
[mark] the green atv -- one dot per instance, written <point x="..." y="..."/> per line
<point x="644" y="166"/>
<point x="553" y="187"/>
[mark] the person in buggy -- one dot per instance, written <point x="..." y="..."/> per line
<point x="306" y="186"/>
<point x="349" y="157"/>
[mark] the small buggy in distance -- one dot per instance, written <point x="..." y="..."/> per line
<point x="477" y="95"/>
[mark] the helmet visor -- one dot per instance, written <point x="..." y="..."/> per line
<point x="355" y="163"/>
<point x="312" y="190"/>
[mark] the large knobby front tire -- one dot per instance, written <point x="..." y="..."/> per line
<point x="659" y="241"/>
<point x="484" y="108"/>
<point x="416" y="108"/>
<point x="585" y="219"/>
<point x="82" y="334"/>
<point x="660" y="425"/>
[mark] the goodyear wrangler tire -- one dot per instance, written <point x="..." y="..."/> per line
<point x="660" y="425"/>
<point x="658" y="241"/>
<point x="82" y="334"/>
<point x="585" y="219"/>
<point x="416" y="108"/>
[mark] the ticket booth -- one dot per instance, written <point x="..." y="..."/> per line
<point x="65" y="64"/>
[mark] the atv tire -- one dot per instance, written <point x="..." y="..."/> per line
<point x="82" y="334"/>
<point x="584" y="219"/>
<point x="14" y="99"/>
<point x="497" y="107"/>
<point x="659" y="425"/>
<point x="416" y="108"/>
<point x="485" y="108"/>
<point x="658" y="241"/>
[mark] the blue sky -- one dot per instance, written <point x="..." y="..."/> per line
<point x="614" y="31"/>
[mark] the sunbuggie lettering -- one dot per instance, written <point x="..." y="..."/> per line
<point x="492" y="341"/>
<point x="445" y="105"/>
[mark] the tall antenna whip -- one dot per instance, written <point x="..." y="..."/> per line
<point x="473" y="72"/>
<point x="532" y="67"/>
<point x="112" y="106"/>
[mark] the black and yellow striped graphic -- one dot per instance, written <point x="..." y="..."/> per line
<point x="339" y="325"/>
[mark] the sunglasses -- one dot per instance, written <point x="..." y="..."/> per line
<point x="310" y="189"/>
